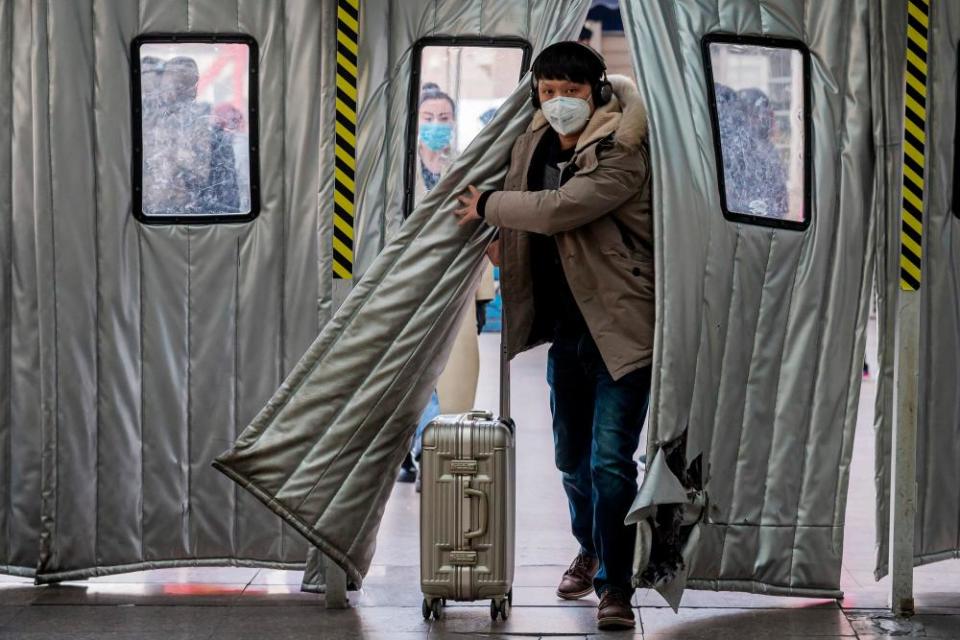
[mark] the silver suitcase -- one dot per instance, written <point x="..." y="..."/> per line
<point x="467" y="507"/>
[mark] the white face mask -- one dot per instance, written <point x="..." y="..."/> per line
<point x="567" y="115"/>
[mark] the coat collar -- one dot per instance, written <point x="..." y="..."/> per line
<point x="625" y="116"/>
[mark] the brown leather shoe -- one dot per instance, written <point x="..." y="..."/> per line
<point x="577" y="581"/>
<point x="615" y="610"/>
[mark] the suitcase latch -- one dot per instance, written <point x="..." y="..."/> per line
<point x="464" y="467"/>
<point x="461" y="558"/>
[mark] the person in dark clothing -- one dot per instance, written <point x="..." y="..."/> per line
<point x="188" y="165"/>
<point x="767" y="178"/>
<point x="576" y="253"/>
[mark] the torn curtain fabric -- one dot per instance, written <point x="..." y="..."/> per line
<point x="760" y="332"/>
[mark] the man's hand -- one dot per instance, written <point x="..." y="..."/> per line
<point x="493" y="252"/>
<point x="469" y="199"/>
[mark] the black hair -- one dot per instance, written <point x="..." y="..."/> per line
<point x="569" y="61"/>
<point x="586" y="33"/>
<point x="432" y="91"/>
<point x="754" y="97"/>
<point x="151" y="64"/>
<point x="724" y="93"/>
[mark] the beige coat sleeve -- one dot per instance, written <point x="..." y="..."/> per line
<point x="588" y="195"/>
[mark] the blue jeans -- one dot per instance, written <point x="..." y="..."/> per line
<point x="596" y="430"/>
<point x="431" y="411"/>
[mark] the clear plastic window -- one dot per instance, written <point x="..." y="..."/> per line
<point x="758" y="98"/>
<point x="458" y="88"/>
<point x="196" y="139"/>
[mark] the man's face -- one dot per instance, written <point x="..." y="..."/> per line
<point x="550" y="89"/>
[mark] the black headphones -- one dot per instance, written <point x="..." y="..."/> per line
<point x="602" y="89"/>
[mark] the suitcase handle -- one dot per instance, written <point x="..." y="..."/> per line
<point x="482" y="529"/>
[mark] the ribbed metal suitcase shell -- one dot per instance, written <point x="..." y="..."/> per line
<point x="467" y="508"/>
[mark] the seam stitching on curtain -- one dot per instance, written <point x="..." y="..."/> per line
<point x="8" y="8"/>
<point x="382" y="89"/>
<point x="806" y="21"/>
<point x="143" y="546"/>
<point x="730" y="311"/>
<point x="750" y="370"/>
<point x="526" y="32"/>
<point x="56" y="310"/>
<point x="235" y="545"/>
<point x="793" y="294"/>
<point x="186" y="521"/>
<point x="236" y="395"/>
<point x="283" y="222"/>
<point x="776" y="395"/>
<point x="835" y="209"/>
<point x="765" y="525"/>
<point x="143" y="412"/>
<point x="96" y="245"/>
<point x="324" y="118"/>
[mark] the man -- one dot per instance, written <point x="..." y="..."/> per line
<point x="576" y="246"/>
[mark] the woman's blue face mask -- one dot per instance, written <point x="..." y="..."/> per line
<point x="436" y="135"/>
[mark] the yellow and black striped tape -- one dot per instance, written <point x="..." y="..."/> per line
<point x="914" y="143"/>
<point x="345" y="162"/>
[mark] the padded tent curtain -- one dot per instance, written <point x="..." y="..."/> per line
<point x="760" y="332"/>
<point x="937" y="531"/>
<point x="136" y="353"/>
<point x="389" y="31"/>
<point x="323" y="451"/>
<point x="19" y="331"/>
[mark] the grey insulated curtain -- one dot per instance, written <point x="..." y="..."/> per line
<point x="760" y="332"/>
<point x="322" y="452"/>
<point x="937" y="531"/>
<point x="134" y="353"/>
<point x="20" y="407"/>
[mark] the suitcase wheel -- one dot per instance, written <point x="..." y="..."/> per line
<point x="432" y="608"/>
<point x="500" y="608"/>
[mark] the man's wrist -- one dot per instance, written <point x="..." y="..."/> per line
<point x="482" y="203"/>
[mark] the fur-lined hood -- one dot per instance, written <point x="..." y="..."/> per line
<point x="625" y="116"/>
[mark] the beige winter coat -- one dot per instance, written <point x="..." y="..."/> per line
<point x="601" y="219"/>
<point x="457" y="386"/>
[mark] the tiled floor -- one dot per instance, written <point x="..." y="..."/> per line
<point x="237" y="604"/>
